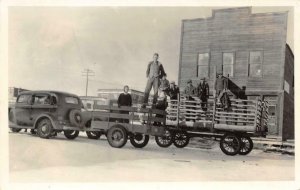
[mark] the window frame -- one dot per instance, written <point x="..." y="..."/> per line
<point x="208" y="66"/>
<point x="261" y="64"/>
<point x="233" y="63"/>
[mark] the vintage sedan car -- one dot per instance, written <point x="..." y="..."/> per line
<point x="48" y="112"/>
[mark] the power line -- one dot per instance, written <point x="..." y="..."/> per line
<point x="87" y="73"/>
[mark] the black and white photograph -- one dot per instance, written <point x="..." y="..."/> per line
<point x="110" y="94"/>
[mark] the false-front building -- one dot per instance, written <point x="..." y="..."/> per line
<point x="249" y="49"/>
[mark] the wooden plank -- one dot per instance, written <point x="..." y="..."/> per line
<point x="234" y="113"/>
<point x="245" y="128"/>
<point x="234" y="121"/>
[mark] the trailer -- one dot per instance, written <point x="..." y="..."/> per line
<point x="183" y="120"/>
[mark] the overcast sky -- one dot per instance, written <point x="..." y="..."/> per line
<point x="49" y="47"/>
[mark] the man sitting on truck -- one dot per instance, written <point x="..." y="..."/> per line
<point x="125" y="100"/>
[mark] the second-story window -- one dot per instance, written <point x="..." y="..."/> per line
<point x="228" y="61"/>
<point x="255" y="64"/>
<point x="202" y="66"/>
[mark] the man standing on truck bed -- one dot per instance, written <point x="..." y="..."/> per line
<point x="155" y="71"/>
<point x="125" y="100"/>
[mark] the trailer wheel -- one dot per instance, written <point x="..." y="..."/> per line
<point x="230" y="144"/>
<point x="246" y="145"/>
<point x="181" y="139"/>
<point x="44" y="128"/>
<point x="164" y="141"/>
<point x="71" y="134"/>
<point x="139" y="140"/>
<point x="117" y="136"/>
<point x="15" y="130"/>
<point x="93" y="134"/>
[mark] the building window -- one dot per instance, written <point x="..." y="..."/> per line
<point x="202" y="66"/>
<point x="228" y="60"/>
<point x="255" y="64"/>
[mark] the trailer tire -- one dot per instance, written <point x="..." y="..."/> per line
<point x="117" y="136"/>
<point x="166" y="140"/>
<point x="230" y="144"/>
<point x="139" y="140"/>
<point x="181" y="139"/>
<point x="93" y="134"/>
<point x="71" y="134"/>
<point x="246" y="145"/>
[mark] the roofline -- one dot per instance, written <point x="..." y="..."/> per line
<point x="47" y="91"/>
<point x="214" y="11"/>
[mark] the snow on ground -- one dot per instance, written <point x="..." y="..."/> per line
<point x="33" y="159"/>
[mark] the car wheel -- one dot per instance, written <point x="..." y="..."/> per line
<point x="71" y="134"/>
<point x="230" y="144"/>
<point x="76" y="118"/>
<point x="15" y="130"/>
<point x="164" y="141"/>
<point x="44" y="128"/>
<point x="93" y="134"/>
<point x="117" y="136"/>
<point x="139" y="140"/>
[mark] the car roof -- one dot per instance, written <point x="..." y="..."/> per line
<point x="47" y="91"/>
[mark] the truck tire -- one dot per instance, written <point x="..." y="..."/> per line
<point x="117" y="136"/>
<point x="93" y="134"/>
<point x="139" y="140"/>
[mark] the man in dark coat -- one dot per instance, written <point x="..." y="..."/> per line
<point x="173" y="91"/>
<point x="125" y="100"/>
<point x="155" y="71"/>
<point x="203" y="92"/>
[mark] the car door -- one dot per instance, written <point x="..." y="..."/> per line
<point x="23" y="109"/>
<point x="42" y="104"/>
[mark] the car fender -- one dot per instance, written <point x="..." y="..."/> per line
<point x="54" y="124"/>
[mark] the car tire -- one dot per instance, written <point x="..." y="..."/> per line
<point x="71" y="134"/>
<point x="75" y="118"/>
<point x="45" y="128"/>
<point x="15" y="130"/>
<point x="93" y="134"/>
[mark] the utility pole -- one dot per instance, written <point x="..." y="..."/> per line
<point x="87" y="73"/>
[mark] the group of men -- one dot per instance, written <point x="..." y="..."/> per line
<point x="156" y="76"/>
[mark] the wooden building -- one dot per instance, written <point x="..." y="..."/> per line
<point x="251" y="50"/>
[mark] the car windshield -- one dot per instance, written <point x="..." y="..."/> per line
<point x="71" y="100"/>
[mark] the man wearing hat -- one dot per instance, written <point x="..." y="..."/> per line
<point x="190" y="90"/>
<point x="203" y="93"/>
<point x="173" y="91"/>
<point x="155" y="71"/>
<point x="221" y="87"/>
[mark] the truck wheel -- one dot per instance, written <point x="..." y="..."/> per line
<point x="230" y="144"/>
<point x="15" y="130"/>
<point x="181" y="139"/>
<point x="139" y="140"/>
<point x="117" y="136"/>
<point x="164" y="141"/>
<point x="246" y="145"/>
<point x="93" y="134"/>
<point x="44" y="128"/>
<point x="71" y="134"/>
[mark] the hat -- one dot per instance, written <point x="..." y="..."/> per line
<point x="172" y="82"/>
<point x="189" y="81"/>
<point x="203" y="78"/>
